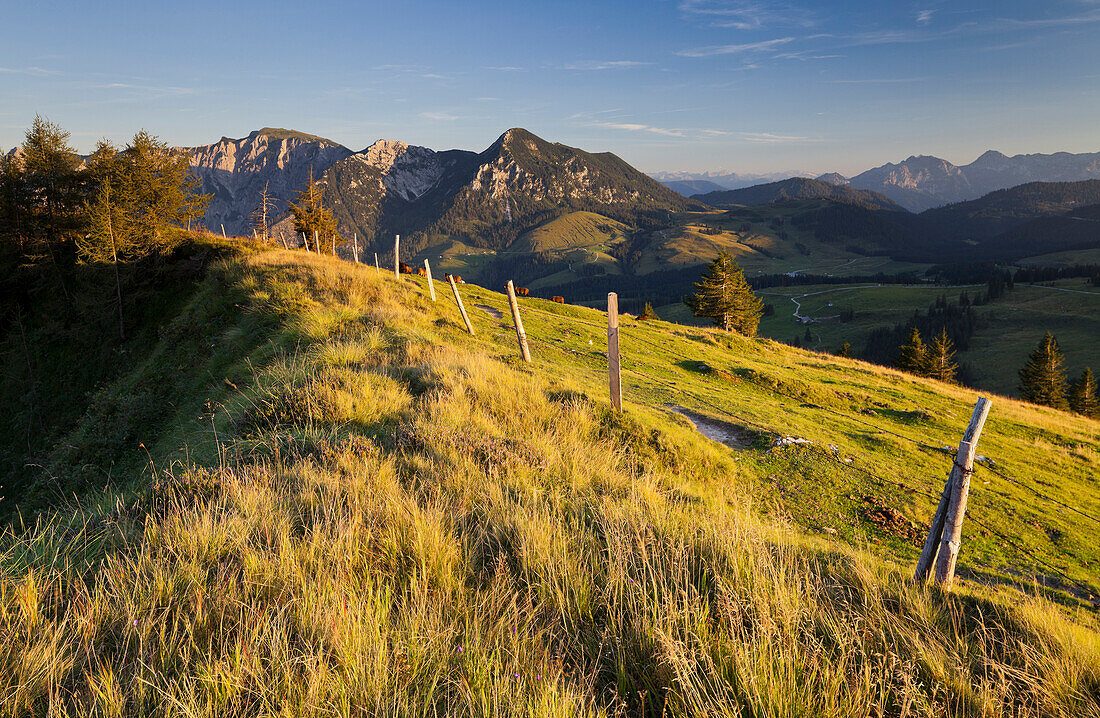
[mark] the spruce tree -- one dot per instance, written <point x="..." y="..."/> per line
<point x="1042" y="379"/>
<point x="911" y="354"/>
<point x="648" y="313"/>
<point x="939" y="359"/>
<point x="1083" y="397"/>
<point x="845" y="350"/>
<point x="723" y="296"/>
<point x="310" y="216"/>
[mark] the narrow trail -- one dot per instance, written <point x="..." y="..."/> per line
<point x="733" y="436"/>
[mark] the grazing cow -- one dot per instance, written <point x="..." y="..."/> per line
<point x="405" y="269"/>
<point x="421" y="271"/>
<point x="458" y="280"/>
<point x="523" y="292"/>
<point x="559" y="300"/>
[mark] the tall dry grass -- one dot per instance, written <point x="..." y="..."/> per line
<point x="397" y="525"/>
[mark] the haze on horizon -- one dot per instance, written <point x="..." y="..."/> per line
<point x="696" y="85"/>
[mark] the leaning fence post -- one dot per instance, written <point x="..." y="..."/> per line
<point x="396" y="256"/>
<point x="461" y="309"/>
<point x="377" y="269"/>
<point x="223" y="232"/>
<point x="614" y="374"/>
<point x="520" y="335"/>
<point x="431" y="284"/>
<point x="941" y="548"/>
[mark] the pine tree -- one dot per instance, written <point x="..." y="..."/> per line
<point x="911" y="354"/>
<point x="648" y="313"/>
<point x="310" y="216"/>
<point x="845" y="350"/>
<point x="939" y="359"/>
<point x="1042" y="379"/>
<point x="723" y="295"/>
<point x="1083" y="396"/>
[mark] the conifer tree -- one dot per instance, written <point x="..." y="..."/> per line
<point x="310" y="216"/>
<point x="1083" y="396"/>
<point x="1042" y="379"/>
<point x="648" y="313"/>
<point x="845" y="350"/>
<point x="939" y="359"/>
<point x="911" y="354"/>
<point x="723" y="295"/>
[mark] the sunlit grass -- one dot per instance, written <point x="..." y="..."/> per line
<point x="403" y="521"/>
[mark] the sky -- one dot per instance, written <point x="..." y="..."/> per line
<point x="750" y="86"/>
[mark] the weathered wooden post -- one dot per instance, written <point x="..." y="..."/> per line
<point x="614" y="374"/>
<point x="305" y="242"/>
<point x="941" y="548"/>
<point x="431" y="284"/>
<point x="396" y="256"/>
<point x="282" y="238"/>
<point x="334" y="245"/>
<point x="461" y="309"/>
<point x="223" y="232"/>
<point x="520" y="335"/>
<point x="377" y="269"/>
<point x="316" y="242"/>
<point x="355" y="246"/>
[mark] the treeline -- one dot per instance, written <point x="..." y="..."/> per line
<point x="764" y="281"/>
<point x="117" y="205"/>
<point x="1030" y="275"/>
<point x="902" y="345"/>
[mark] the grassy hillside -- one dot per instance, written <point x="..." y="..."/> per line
<point x="386" y="515"/>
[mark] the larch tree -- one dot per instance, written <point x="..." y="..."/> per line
<point x="939" y="359"/>
<point x="310" y="216"/>
<point x="263" y="213"/>
<point x="723" y="296"/>
<point x="52" y="190"/>
<point x="1042" y="379"/>
<point x="140" y="194"/>
<point x="1083" y="395"/>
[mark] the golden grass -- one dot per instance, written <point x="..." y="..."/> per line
<point x="400" y="525"/>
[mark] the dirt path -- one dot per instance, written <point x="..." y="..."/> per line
<point x="733" y="436"/>
<point x="491" y="311"/>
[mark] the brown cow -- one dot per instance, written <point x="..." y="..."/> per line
<point x="421" y="271"/>
<point x="523" y="292"/>
<point x="458" y="280"/>
<point x="559" y="300"/>
<point x="405" y="269"/>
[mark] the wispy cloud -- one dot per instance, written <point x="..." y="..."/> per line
<point x="636" y="127"/>
<point x="925" y="16"/>
<point x="506" y="68"/>
<point x="604" y="65"/>
<point x="153" y="90"/>
<point x="747" y="14"/>
<point x="773" y="138"/>
<point x="762" y="46"/>
<point x="36" y="71"/>
<point x="438" y="116"/>
<point x="878" y="81"/>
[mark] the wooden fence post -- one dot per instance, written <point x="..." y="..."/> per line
<point x="355" y="246"/>
<point x="458" y="300"/>
<point x="377" y="269"/>
<point x="614" y="374"/>
<point x="334" y="245"/>
<point x="316" y="242"/>
<point x="520" y="335"/>
<point x="223" y="232"/>
<point x="431" y="284"/>
<point x="941" y="548"/>
<point x="396" y="256"/>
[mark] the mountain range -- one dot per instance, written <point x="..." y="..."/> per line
<point x="922" y="182"/>
<point x="391" y="187"/>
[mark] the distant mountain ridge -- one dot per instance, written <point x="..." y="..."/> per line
<point x="922" y="182"/>
<point x="798" y="188"/>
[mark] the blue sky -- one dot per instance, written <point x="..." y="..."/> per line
<point x="748" y="86"/>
